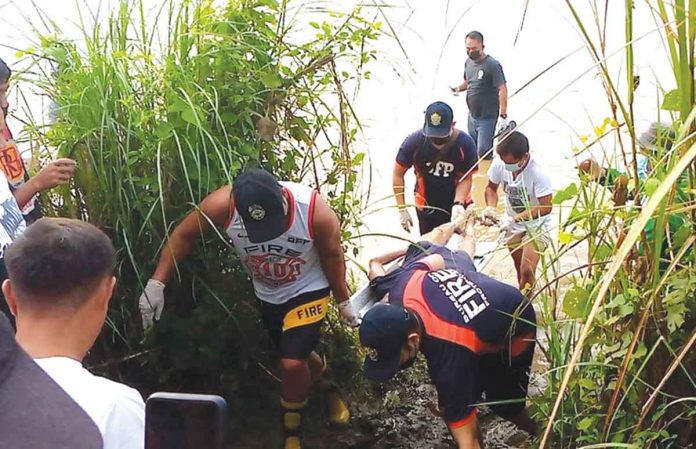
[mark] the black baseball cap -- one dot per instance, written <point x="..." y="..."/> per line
<point x="258" y="198"/>
<point x="34" y="411"/>
<point x="383" y="332"/>
<point x="438" y="120"/>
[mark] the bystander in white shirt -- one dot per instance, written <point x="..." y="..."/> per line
<point x="117" y="409"/>
<point x="522" y="192"/>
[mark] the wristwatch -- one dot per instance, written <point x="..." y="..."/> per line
<point x="503" y="115"/>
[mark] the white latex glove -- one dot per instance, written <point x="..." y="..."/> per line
<point x="500" y="127"/>
<point x="506" y="223"/>
<point x="405" y="219"/>
<point x="151" y="302"/>
<point x="489" y="216"/>
<point x="348" y="316"/>
<point x="457" y="212"/>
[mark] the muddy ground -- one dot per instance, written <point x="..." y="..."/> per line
<point x="398" y="414"/>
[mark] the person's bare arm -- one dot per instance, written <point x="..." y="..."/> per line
<point x="491" y="194"/>
<point x="55" y="173"/>
<point x="3" y="141"/>
<point x="462" y="87"/>
<point x="376" y="264"/>
<point x="463" y="189"/>
<point x="216" y="207"/>
<point x="544" y="208"/>
<point x="398" y="184"/>
<point x="327" y="238"/>
<point x="467" y="436"/>
<point x="503" y="96"/>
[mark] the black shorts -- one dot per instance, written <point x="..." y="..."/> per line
<point x="431" y="218"/>
<point x="506" y="378"/>
<point x="294" y="326"/>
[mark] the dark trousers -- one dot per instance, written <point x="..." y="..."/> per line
<point x="429" y="219"/>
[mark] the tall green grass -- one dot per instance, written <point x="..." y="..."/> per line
<point x="620" y="339"/>
<point x="160" y="108"/>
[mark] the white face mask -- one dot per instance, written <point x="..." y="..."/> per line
<point x="517" y="166"/>
<point x="512" y="167"/>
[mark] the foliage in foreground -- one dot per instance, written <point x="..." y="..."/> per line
<point x="156" y="122"/>
<point x="620" y="340"/>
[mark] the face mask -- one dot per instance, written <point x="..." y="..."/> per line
<point x="439" y="143"/>
<point x="517" y="166"/>
<point x="474" y="54"/>
<point x="512" y="167"/>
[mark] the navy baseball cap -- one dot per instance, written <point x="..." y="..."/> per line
<point x="438" y="120"/>
<point x="258" y="198"/>
<point x="383" y="332"/>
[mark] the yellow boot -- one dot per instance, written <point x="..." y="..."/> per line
<point x="338" y="407"/>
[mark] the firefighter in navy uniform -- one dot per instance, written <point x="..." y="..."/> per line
<point x="444" y="159"/>
<point x="476" y="333"/>
<point x="288" y="239"/>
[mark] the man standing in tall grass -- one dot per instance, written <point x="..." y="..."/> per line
<point x="288" y="239"/>
<point x="18" y="191"/>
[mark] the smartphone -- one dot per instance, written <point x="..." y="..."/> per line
<point x="185" y="421"/>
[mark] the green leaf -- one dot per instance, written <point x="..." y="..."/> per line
<point x="650" y="186"/>
<point x="271" y="80"/>
<point x="163" y="130"/>
<point x="565" y="194"/>
<point x="587" y="384"/>
<point x="314" y="25"/>
<point x="603" y="251"/>
<point x="565" y="237"/>
<point x="675" y="316"/>
<point x="681" y="235"/>
<point x="672" y="100"/>
<point x="576" y="302"/>
<point x="641" y="350"/>
<point x="618" y="300"/>
<point x="190" y="116"/>
<point x="585" y="423"/>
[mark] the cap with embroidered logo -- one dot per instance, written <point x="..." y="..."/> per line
<point x="258" y="199"/>
<point x="383" y="332"/>
<point x="438" y="120"/>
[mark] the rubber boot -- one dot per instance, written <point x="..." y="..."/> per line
<point x="293" y="435"/>
<point x="338" y="407"/>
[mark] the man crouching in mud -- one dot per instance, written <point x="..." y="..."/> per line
<point x="477" y="334"/>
